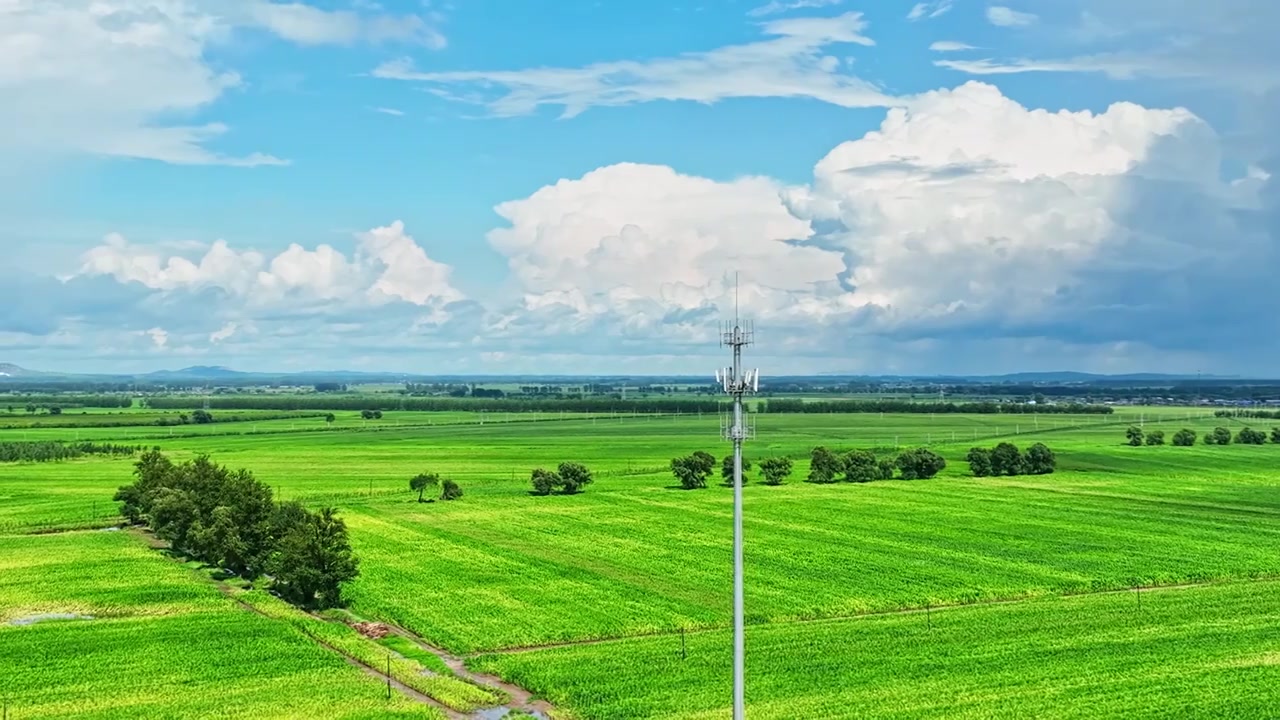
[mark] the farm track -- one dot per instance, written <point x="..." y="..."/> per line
<point x="868" y="615"/>
<point x="521" y="699"/>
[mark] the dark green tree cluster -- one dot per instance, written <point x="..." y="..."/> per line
<point x="1255" y="414"/>
<point x="53" y="451"/>
<point x="1005" y="459"/>
<point x="368" y="414"/>
<point x="911" y="406"/>
<point x="449" y="489"/>
<point x="357" y="403"/>
<point x="692" y="471"/>
<point x="1218" y="436"/>
<point x="69" y="401"/>
<point x="775" y="470"/>
<point x="228" y="519"/>
<point x="570" y="478"/>
<point x="1184" y="438"/>
<point x="1249" y="436"/>
<point x="826" y="466"/>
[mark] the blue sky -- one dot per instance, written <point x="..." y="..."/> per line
<point x="489" y="185"/>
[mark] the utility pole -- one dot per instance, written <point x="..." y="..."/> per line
<point x="736" y="382"/>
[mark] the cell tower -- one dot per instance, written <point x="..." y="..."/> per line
<point x="737" y="382"/>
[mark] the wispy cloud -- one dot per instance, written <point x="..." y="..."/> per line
<point x="1008" y="17"/>
<point x="781" y="6"/>
<point x="389" y="111"/>
<point x="929" y="10"/>
<point x="950" y="46"/>
<point x="795" y="61"/>
<point x="110" y="77"/>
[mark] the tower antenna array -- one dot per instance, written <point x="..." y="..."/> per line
<point x="736" y="382"/>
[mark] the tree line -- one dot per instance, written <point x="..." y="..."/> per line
<point x="826" y="466"/>
<point x="229" y="519"/>
<point x="1186" y="437"/>
<point x="55" y="450"/>
<point x="27" y="402"/>
<point x="375" y="403"/>
<point x="912" y="406"/>
<point x="1254" y="414"/>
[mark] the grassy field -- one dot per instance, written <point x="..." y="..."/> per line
<point x="635" y="558"/>
<point x="161" y="642"/>
<point x="1205" y="652"/>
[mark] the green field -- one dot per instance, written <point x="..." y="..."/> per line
<point x="634" y="561"/>
<point x="161" y="642"/>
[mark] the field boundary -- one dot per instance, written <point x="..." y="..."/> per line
<point x="928" y="610"/>
<point x="519" y="698"/>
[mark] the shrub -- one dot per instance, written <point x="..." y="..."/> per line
<point x="450" y="490"/>
<point x="1155" y="437"/>
<point x="1134" y="435"/>
<point x="1184" y="438"/>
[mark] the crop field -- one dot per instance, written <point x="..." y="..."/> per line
<point x="160" y="643"/>
<point x="1013" y="570"/>
<point x="1205" y="652"/>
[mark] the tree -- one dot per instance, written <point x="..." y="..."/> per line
<point x="775" y="470"/>
<point x="860" y="466"/>
<point x="1006" y="459"/>
<point x="422" y="481"/>
<point x="692" y="471"/>
<point x="1218" y="436"/>
<point x="1249" y="436"/>
<point x="377" y="414"/>
<point x="371" y="414"/>
<point x="55" y="410"/>
<point x="726" y="470"/>
<point x="885" y="469"/>
<point x="544" y="481"/>
<point x="1040" y="460"/>
<point x="824" y="466"/>
<point x="330" y="418"/>
<point x="920" y="464"/>
<point x="979" y="461"/>
<point x="1275" y="435"/>
<point x="31" y="408"/>
<point x="201" y="417"/>
<point x="1155" y="437"/>
<point x="314" y="560"/>
<point x="575" y="477"/>
<point x="1184" y="438"/>
<point x="1134" y="434"/>
<point x="451" y="490"/>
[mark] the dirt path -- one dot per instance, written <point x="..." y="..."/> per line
<point x="521" y="699"/>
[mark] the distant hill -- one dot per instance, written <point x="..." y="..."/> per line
<point x="198" y="372"/>
<point x="9" y="370"/>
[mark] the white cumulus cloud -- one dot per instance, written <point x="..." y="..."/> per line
<point x="387" y="265"/>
